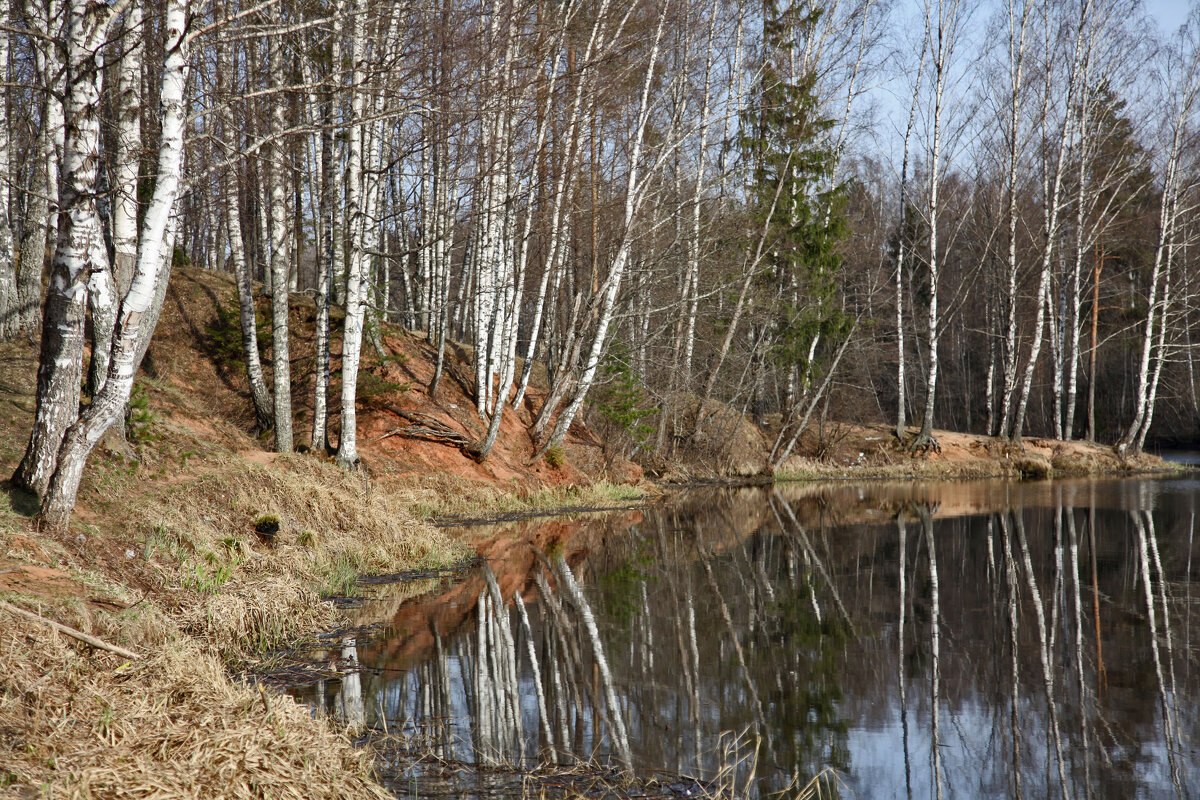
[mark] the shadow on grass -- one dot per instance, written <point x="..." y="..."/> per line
<point x="22" y="502"/>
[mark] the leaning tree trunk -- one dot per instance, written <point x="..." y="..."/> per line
<point x="1051" y="200"/>
<point x="60" y="363"/>
<point x="612" y="284"/>
<point x="154" y="255"/>
<point x="1166" y="230"/>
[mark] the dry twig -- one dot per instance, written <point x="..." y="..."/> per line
<point x="80" y="635"/>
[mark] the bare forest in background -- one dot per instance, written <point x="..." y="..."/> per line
<point x="938" y="214"/>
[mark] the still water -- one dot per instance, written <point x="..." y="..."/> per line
<point x="978" y="639"/>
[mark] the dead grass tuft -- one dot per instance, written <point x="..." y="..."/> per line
<point x="260" y="614"/>
<point x="247" y="594"/>
<point x="87" y="726"/>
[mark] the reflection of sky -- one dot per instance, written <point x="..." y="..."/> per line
<point x="974" y="762"/>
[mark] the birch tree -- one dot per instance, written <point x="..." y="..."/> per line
<point x="347" y="452"/>
<point x="1182" y="71"/>
<point x="942" y="22"/>
<point x="78" y="248"/>
<point x="607" y="296"/>
<point x="1052" y="182"/>
<point x="9" y="299"/>
<point x="154" y="252"/>
<point x="280" y="255"/>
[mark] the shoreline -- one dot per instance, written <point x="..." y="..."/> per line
<point x="165" y="558"/>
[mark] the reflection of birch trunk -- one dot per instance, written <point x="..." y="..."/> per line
<point x="1101" y="673"/>
<point x="802" y="536"/>
<point x="506" y="662"/>
<point x="683" y="622"/>
<point x="352" y="700"/>
<point x="759" y="718"/>
<point x="1164" y="690"/>
<point x="483" y="695"/>
<point x="695" y="651"/>
<point x="1166" y="624"/>
<point x="543" y="714"/>
<point x="571" y="659"/>
<point x="1014" y="620"/>
<point x="443" y="693"/>
<point x="575" y="595"/>
<point x="1043" y="650"/>
<point x="1077" y="624"/>
<point x="562" y="713"/>
<point x="934" y="649"/>
<point x="903" y="536"/>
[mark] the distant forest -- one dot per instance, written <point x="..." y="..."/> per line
<point x="937" y="214"/>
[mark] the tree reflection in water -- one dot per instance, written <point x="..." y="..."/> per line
<point x="1035" y="640"/>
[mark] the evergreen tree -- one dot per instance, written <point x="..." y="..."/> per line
<point x="794" y="196"/>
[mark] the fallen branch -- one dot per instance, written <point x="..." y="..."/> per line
<point x="80" y="635"/>
<point x="431" y="429"/>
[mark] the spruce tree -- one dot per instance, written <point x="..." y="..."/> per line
<point x="795" y="198"/>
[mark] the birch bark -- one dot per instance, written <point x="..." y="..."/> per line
<point x="634" y="196"/>
<point x="280" y="265"/>
<point x="60" y="363"/>
<point x="128" y="147"/>
<point x="41" y="206"/>
<point x="154" y="252"/>
<point x="347" y="452"/>
<point x="9" y="300"/>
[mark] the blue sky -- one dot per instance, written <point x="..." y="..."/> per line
<point x="1169" y="13"/>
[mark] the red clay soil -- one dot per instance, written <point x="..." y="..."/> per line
<point x="191" y="349"/>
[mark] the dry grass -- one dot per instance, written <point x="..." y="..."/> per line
<point x="86" y="725"/>
<point x="257" y="615"/>
<point x="246" y="595"/>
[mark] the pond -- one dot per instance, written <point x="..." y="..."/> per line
<point x="959" y="639"/>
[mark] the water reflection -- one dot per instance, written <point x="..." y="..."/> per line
<point x="1004" y="640"/>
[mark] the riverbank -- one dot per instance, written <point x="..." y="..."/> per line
<point x="198" y="551"/>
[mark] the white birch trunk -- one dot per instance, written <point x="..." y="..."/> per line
<point x="277" y="163"/>
<point x="1016" y="59"/>
<point x="128" y="147"/>
<point x="901" y="355"/>
<point x="612" y="284"/>
<point x="1052" y="190"/>
<point x="1184" y="97"/>
<point x="511" y="310"/>
<point x="42" y="200"/>
<point x="154" y="253"/>
<point x="9" y="299"/>
<point x="947" y="17"/>
<point x="79" y="241"/>
<point x="327" y="258"/>
<point x="347" y="453"/>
